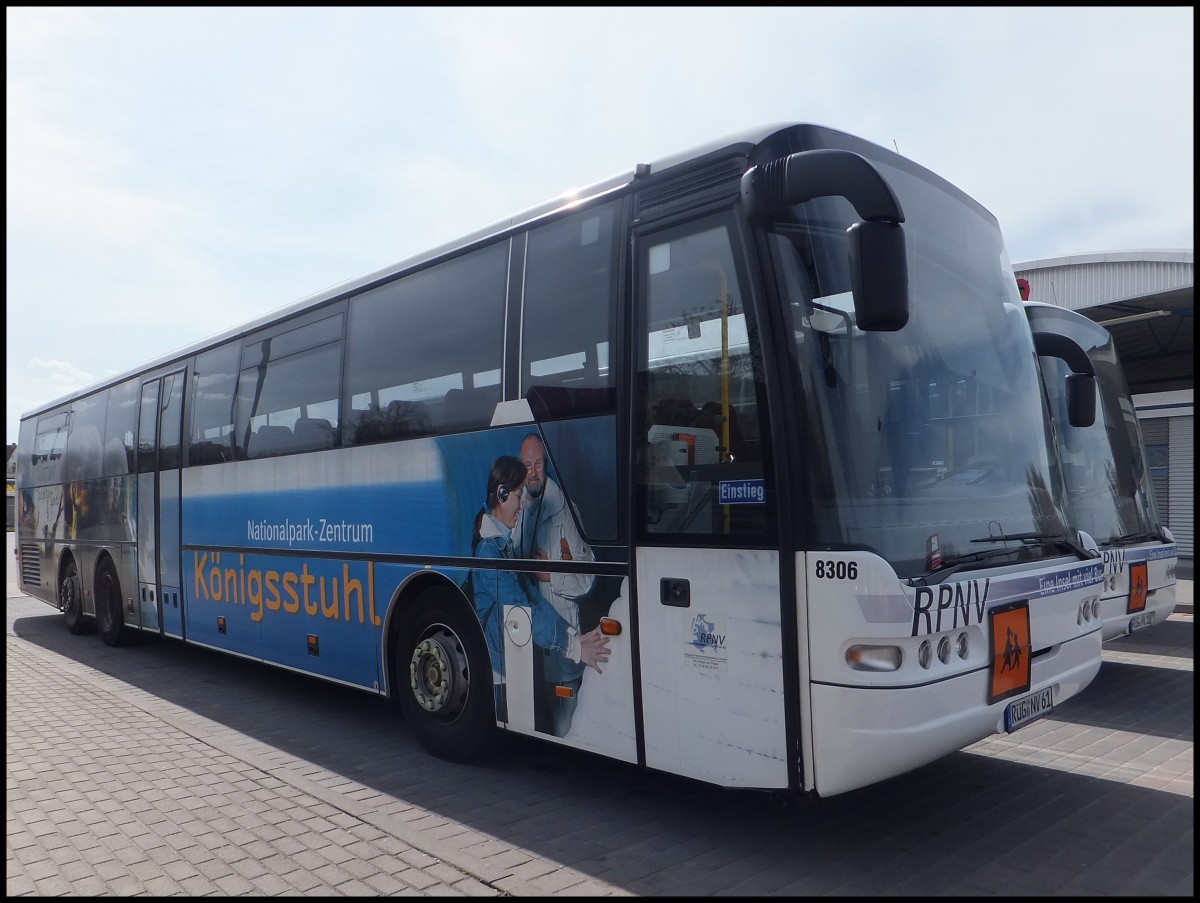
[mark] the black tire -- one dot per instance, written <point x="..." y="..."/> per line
<point x="443" y="676"/>
<point x="110" y="615"/>
<point x="70" y="600"/>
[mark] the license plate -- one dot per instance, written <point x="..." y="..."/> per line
<point x="1138" y="622"/>
<point x="1021" y="712"/>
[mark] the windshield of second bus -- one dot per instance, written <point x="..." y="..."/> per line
<point x="1104" y="464"/>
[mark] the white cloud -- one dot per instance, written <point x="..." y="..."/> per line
<point x="173" y="172"/>
<point x="35" y="381"/>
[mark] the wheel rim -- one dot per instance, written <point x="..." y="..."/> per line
<point x="71" y="603"/>
<point x="439" y="674"/>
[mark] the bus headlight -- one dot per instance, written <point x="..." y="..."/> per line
<point x="874" y="658"/>
<point x="924" y="653"/>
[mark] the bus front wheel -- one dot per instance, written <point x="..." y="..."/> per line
<point x="443" y="676"/>
<point x="109" y="616"/>
<point x="70" y="599"/>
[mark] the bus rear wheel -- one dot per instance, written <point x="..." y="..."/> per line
<point x="443" y="676"/>
<point x="70" y="600"/>
<point x="110" y="617"/>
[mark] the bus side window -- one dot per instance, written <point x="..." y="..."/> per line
<point x="269" y="440"/>
<point x="399" y="420"/>
<point x="50" y="441"/>
<point x="170" y="436"/>
<point x="569" y="315"/>
<point x="287" y="375"/>
<point x="85" y="443"/>
<point x="313" y="433"/>
<point x="120" y="427"/>
<point x="467" y="408"/>
<point x="412" y="340"/>
<point x="214" y="380"/>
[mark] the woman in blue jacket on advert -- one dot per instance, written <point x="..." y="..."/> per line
<point x="494" y="588"/>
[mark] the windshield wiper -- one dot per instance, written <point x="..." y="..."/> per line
<point x="967" y="560"/>
<point x="1059" y="539"/>
<point x="1020" y="537"/>
<point x="960" y="562"/>
<point x="1137" y="536"/>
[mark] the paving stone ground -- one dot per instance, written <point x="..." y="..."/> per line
<point x="167" y="770"/>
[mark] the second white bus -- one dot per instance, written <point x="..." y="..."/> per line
<point x="1107" y="477"/>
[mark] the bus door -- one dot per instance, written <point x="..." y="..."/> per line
<point x="708" y="598"/>
<point x="158" y="505"/>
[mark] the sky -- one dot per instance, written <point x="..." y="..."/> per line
<point x="176" y="172"/>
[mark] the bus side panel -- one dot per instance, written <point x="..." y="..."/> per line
<point x="318" y="615"/>
<point x="284" y="551"/>
<point x="378" y="500"/>
<point x="282" y="556"/>
<point x="217" y="611"/>
<point x="147" y="554"/>
<point x="169" y="602"/>
<point x="122" y="536"/>
<point x="38" y="512"/>
<point x="297" y="555"/>
<point x="712" y="669"/>
<point x="125" y="557"/>
<point x="98" y="512"/>
<point x="603" y="721"/>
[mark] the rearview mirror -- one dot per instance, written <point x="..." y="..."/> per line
<point x="879" y="276"/>
<point x="1081" y="383"/>
<point x="877" y="256"/>
<point x="1081" y="399"/>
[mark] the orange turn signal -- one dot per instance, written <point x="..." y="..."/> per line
<point x="610" y="627"/>
<point x="564" y="692"/>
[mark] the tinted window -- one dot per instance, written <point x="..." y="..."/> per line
<point x="288" y="390"/>
<point x="23" y="456"/>
<point x="214" y="381"/>
<point x="568" y="315"/>
<point x="85" y="444"/>
<point x="425" y="352"/>
<point x="49" y="443"/>
<point x="120" y="429"/>
<point x="147" y="456"/>
<point x="172" y="419"/>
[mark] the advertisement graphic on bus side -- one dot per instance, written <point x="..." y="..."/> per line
<point x="280" y="563"/>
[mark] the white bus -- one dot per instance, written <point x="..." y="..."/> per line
<point x="804" y="528"/>
<point x="1104" y="467"/>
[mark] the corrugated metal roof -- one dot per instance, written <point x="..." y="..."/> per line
<point x="1144" y="298"/>
<point x="1091" y="280"/>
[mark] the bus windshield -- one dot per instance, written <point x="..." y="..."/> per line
<point x="928" y="445"/>
<point x="1103" y="464"/>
